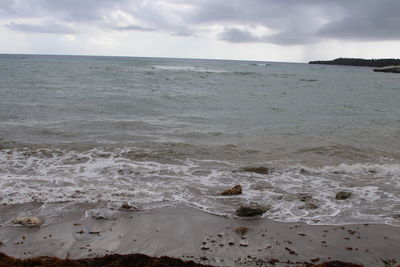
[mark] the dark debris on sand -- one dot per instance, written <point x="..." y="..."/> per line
<point x="132" y="260"/>
<point x="337" y="264"/>
<point x="135" y="260"/>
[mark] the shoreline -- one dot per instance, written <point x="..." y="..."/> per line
<point x="191" y="234"/>
<point x="138" y="260"/>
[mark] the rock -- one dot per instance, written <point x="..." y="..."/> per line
<point x="94" y="233"/>
<point x="126" y="206"/>
<point x="242" y="230"/>
<point x="304" y="197"/>
<point x="342" y="195"/>
<point x="303" y="171"/>
<point x="396" y="216"/>
<point x="253" y="209"/>
<point x="310" y="204"/>
<point x="99" y="214"/>
<point x="393" y="69"/>
<point x="243" y="243"/>
<point x="236" y="190"/>
<point x="259" y="170"/>
<point x="27" y="221"/>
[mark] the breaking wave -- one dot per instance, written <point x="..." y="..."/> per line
<point x="141" y="179"/>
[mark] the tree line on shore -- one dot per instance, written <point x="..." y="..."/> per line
<point x="359" y="62"/>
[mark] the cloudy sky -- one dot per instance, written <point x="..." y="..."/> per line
<point x="272" y="30"/>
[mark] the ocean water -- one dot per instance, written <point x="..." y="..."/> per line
<point x="156" y="132"/>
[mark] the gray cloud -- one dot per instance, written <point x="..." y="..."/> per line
<point x="133" y="28"/>
<point x="6" y="7"/>
<point x="236" y="35"/>
<point x="47" y="27"/>
<point x="366" y="20"/>
<point x="71" y="10"/>
<point x="291" y="22"/>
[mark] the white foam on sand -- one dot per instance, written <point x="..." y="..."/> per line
<point x="116" y="176"/>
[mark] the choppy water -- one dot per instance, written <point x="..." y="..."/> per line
<point x="154" y="132"/>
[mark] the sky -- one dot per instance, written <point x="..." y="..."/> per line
<point x="265" y="30"/>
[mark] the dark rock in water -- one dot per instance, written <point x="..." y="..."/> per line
<point x="310" y="205"/>
<point x="342" y="195"/>
<point x="127" y="206"/>
<point x="253" y="209"/>
<point x="396" y="216"/>
<point x="259" y="170"/>
<point x="304" y="197"/>
<point x="236" y="190"/>
<point x="392" y="69"/>
<point x="303" y="171"/>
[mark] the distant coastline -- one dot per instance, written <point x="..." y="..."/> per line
<point x="359" y="62"/>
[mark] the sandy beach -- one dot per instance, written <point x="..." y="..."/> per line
<point x="192" y="234"/>
<point x="199" y="133"/>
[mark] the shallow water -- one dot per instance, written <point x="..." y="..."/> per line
<point x="154" y="132"/>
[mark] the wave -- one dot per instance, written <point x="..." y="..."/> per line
<point x="344" y="152"/>
<point x="260" y="64"/>
<point x="147" y="178"/>
<point x="188" y="68"/>
<point x="359" y="168"/>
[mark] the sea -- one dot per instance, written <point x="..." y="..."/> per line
<point x="157" y="132"/>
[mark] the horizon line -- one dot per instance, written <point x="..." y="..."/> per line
<point x="161" y="57"/>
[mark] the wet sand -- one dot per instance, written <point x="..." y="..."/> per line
<point x="191" y="234"/>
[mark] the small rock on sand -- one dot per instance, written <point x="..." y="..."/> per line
<point x="342" y="195"/>
<point x="27" y="221"/>
<point x="242" y="230"/>
<point x="236" y="190"/>
<point x="244" y="243"/>
<point x="205" y="247"/>
<point x="253" y="209"/>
